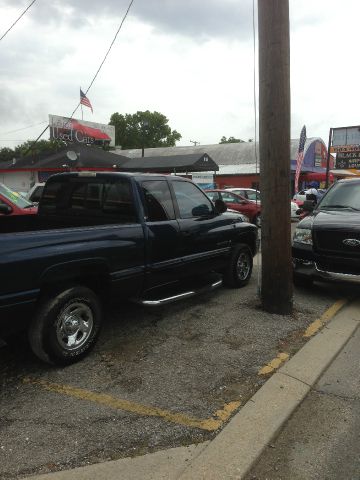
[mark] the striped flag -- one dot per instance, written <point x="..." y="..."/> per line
<point x="300" y="157"/>
<point x="85" y="101"/>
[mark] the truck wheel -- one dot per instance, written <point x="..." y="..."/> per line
<point x="66" y="326"/>
<point x="238" y="271"/>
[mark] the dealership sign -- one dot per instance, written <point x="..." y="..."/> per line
<point x="80" y="131"/>
<point x="204" y="180"/>
<point x="345" y="148"/>
<point x="347" y="160"/>
<point x="346" y="136"/>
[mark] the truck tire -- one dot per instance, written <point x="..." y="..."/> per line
<point x="66" y="326"/>
<point x="238" y="271"/>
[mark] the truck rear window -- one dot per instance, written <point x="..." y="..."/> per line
<point x="110" y="201"/>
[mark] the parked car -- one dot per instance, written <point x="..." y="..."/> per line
<point x="254" y="196"/>
<point x="100" y="235"/>
<point x="239" y="203"/>
<point x="248" y="193"/>
<point x="12" y="203"/>
<point x="326" y="243"/>
<point x="35" y="192"/>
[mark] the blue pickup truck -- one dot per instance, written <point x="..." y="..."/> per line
<point x="101" y="235"/>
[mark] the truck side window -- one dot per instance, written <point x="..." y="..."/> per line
<point x="191" y="200"/>
<point x="55" y="197"/>
<point x="158" y="202"/>
<point x="119" y="202"/>
<point x="94" y="196"/>
<point x="78" y="196"/>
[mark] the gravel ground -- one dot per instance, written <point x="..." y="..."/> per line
<point x="189" y="358"/>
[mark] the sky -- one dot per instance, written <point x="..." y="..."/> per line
<point x="191" y="60"/>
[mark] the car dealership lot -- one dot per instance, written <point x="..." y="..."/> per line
<point x="158" y="378"/>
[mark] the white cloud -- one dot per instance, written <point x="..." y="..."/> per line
<point x="192" y="61"/>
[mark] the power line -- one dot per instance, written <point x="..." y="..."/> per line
<point x="13" y="25"/>
<point x="107" y="53"/>
<point x="96" y="74"/>
<point x="13" y="140"/>
<point x="24" y="128"/>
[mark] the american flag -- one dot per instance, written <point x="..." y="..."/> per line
<point x="84" y="100"/>
<point x="300" y="157"/>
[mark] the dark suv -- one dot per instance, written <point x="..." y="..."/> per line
<point x="326" y="243"/>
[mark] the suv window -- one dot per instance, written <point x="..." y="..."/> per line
<point x="343" y="195"/>
<point x="158" y="202"/>
<point x="192" y="202"/>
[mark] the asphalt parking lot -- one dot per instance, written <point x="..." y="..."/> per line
<point x="158" y="378"/>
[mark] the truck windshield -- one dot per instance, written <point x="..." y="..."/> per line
<point x="14" y="197"/>
<point x="344" y="195"/>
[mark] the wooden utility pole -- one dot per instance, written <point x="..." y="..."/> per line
<point x="274" y="138"/>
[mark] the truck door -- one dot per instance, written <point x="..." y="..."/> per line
<point x="162" y="234"/>
<point x="205" y="235"/>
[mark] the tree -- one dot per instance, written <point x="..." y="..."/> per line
<point x="231" y="140"/>
<point x="6" y="154"/>
<point x="143" y="130"/>
<point x="41" y="148"/>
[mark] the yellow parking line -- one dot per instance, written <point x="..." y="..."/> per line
<point x="325" y="317"/>
<point x="209" y="424"/>
<point x="310" y="331"/>
<point x="274" y="364"/>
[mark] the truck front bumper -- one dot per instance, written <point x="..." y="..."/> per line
<point x="307" y="264"/>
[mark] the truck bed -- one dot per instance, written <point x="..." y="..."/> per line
<point x="29" y="223"/>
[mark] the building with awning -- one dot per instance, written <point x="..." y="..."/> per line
<point x="22" y="173"/>
<point x="229" y="165"/>
<point x="239" y="163"/>
<point x="184" y="163"/>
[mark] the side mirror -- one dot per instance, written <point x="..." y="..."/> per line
<point x="200" y="211"/>
<point x="220" y="206"/>
<point x="5" y="209"/>
<point x="308" y="205"/>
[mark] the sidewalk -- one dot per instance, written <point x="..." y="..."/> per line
<point x="238" y="447"/>
<point x="322" y="438"/>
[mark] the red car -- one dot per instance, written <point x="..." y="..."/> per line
<point x="236" y="202"/>
<point x="12" y="203"/>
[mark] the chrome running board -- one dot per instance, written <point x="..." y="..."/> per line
<point x="178" y="296"/>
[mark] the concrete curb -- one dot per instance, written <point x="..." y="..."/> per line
<point x="238" y="446"/>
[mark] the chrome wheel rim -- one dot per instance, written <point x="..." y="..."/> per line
<point x="243" y="266"/>
<point x="74" y="326"/>
<point x="258" y="221"/>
